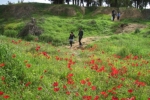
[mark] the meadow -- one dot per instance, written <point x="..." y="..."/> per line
<point x="42" y="68"/>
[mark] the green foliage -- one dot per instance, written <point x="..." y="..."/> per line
<point x="10" y="33"/>
<point x="29" y="37"/>
<point x="123" y="52"/>
<point x="13" y="71"/>
<point x="137" y="31"/>
<point x="46" y="37"/>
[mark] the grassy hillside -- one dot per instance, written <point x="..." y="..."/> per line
<point x="42" y="68"/>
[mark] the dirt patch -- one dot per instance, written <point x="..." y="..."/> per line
<point x="85" y="42"/>
<point x="127" y="28"/>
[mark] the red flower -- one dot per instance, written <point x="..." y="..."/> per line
<point x="130" y="90"/>
<point x="89" y="83"/>
<point x="114" y="71"/>
<point x="96" y="97"/>
<point x="55" y="84"/>
<point x="77" y="94"/>
<point x="104" y="93"/>
<point x="69" y="75"/>
<point x="68" y="92"/>
<point x="1" y="93"/>
<point x="13" y="56"/>
<point x="41" y="77"/>
<point x="2" y="65"/>
<point x="6" y="96"/>
<point x="56" y="89"/>
<point x="101" y="69"/>
<point x="93" y="87"/>
<point x="64" y="86"/>
<point x="27" y="84"/>
<point x="39" y="88"/>
<point x="2" y="78"/>
<point x="114" y="98"/>
<point x="82" y="81"/>
<point x="45" y="71"/>
<point x="132" y="98"/>
<point x="28" y="65"/>
<point x="148" y="98"/>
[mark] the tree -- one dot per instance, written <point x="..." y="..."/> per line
<point x="58" y="1"/>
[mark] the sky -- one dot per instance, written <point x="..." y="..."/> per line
<point x="4" y="2"/>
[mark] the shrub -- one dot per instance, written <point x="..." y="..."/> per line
<point x="46" y="37"/>
<point x="137" y="31"/>
<point x="29" y="37"/>
<point x="124" y="52"/>
<point x="10" y="33"/>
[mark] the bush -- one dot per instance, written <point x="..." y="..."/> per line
<point x="137" y="31"/>
<point x="10" y="33"/>
<point x="46" y="37"/>
<point x="29" y="37"/>
<point x="123" y="52"/>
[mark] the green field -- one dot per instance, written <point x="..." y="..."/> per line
<point x="42" y="68"/>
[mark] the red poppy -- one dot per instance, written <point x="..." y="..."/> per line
<point x="130" y="90"/>
<point x="39" y="88"/>
<point x="68" y="92"/>
<point x="2" y="78"/>
<point x="1" y="93"/>
<point x="69" y="75"/>
<point x="28" y="65"/>
<point x="114" y="98"/>
<point x="96" y="97"/>
<point x="104" y="93"/>
<point x="2" y="65"/>
<point x="41" y="77"/>
<point x="55" y="84"/>
<point x="45" y="71"/>
<point x="77" y="94"/>
<point x="13" y="56"/>
<point x="64" y="86"/>
<point x="89" y="83"/>
<point x="56" y="89"/>
<point x="6" y="96"/>
<point x="27" y="84"/>
<point x="93" y="87"/>
<point x="82" y="81"/>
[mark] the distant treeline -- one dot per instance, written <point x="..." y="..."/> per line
<point x="111" y="3"/>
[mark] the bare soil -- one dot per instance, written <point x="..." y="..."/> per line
<point x="85" y="41"/>
<point x="130" y="28"/>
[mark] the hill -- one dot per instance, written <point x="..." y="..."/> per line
<point x="54" y="22"/>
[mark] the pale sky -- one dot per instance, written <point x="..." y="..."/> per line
<point x="4" y="2"/>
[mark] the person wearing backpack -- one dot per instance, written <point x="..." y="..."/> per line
<point x="71" y="37"/>
<point x="113" y="15"/>
<point x="80" y="34"/>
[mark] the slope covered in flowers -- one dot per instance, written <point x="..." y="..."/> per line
<point x="41" y="71"/>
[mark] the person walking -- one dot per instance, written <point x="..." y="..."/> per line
<point x="113" y="15"/>
<point x="71" y="36"/>
<point x="118" y="15"/>
<point x="80" y="34"/>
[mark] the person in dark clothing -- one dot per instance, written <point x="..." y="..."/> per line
<point x="80" y="36"/>
<point x="71" y="38"/>
<point x="113" y="15"/>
